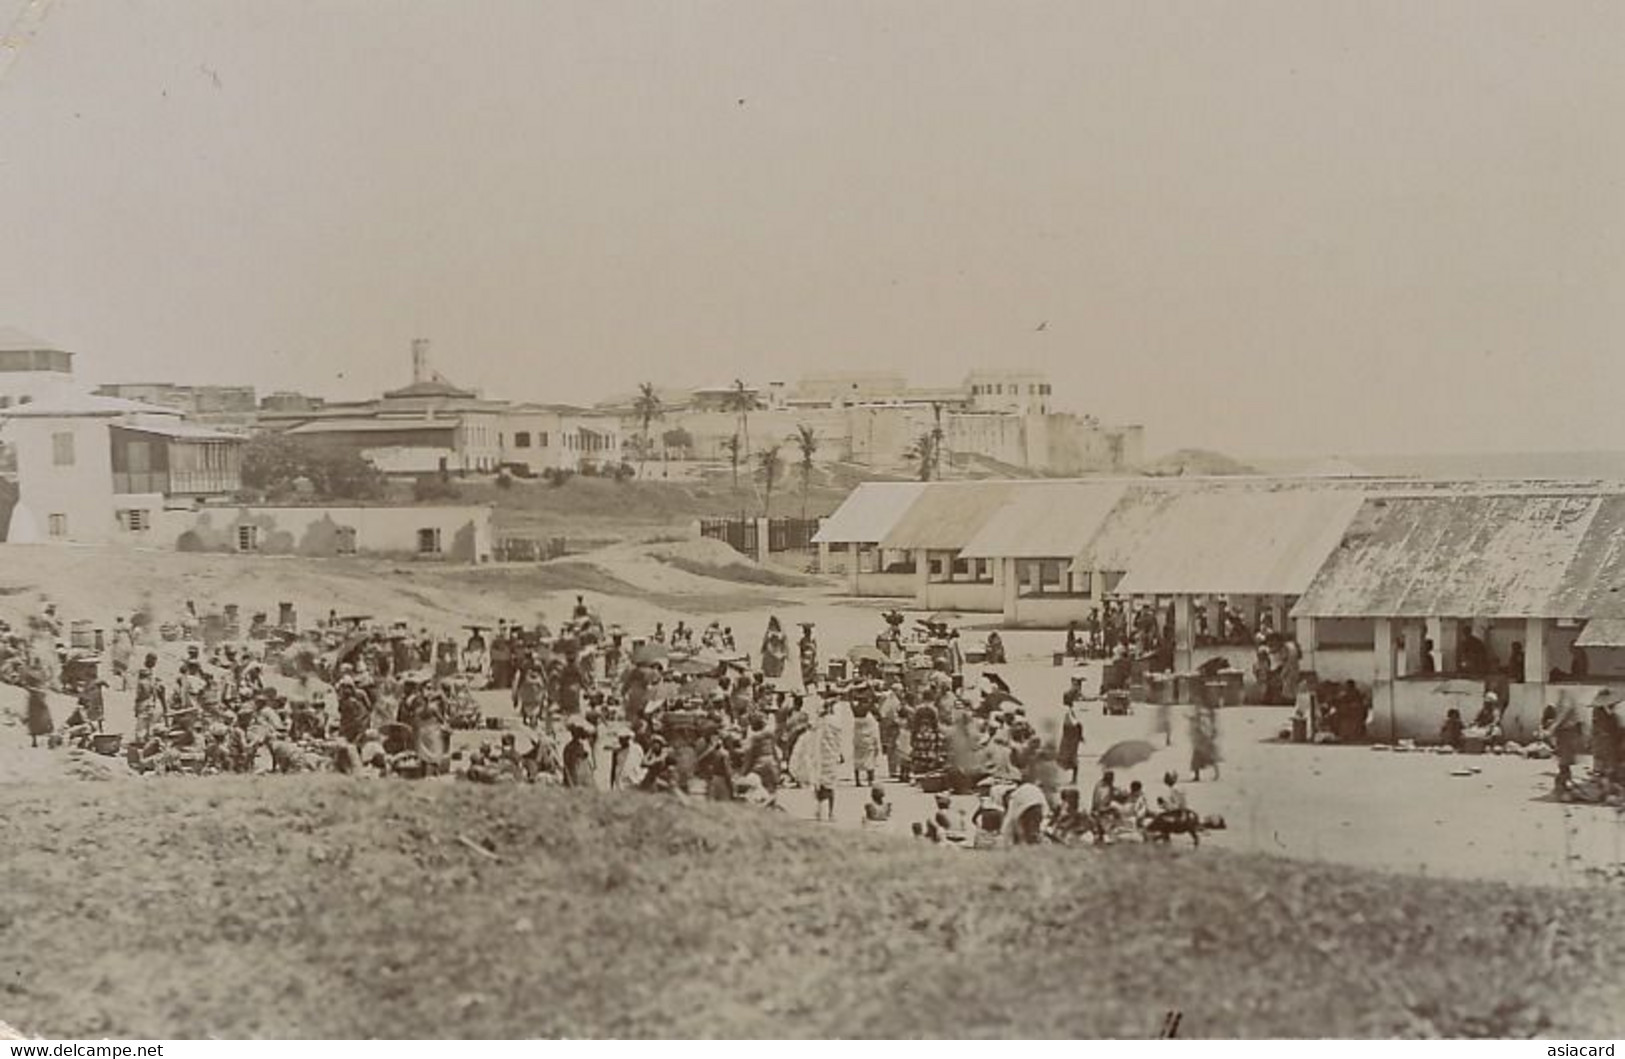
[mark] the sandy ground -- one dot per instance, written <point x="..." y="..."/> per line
<point x="1348" y="805"/>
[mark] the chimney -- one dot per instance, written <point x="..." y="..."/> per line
<point x="420" y="360"/>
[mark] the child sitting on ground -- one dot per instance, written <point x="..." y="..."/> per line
<point x="878" y="809"/>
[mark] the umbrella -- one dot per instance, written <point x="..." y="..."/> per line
<point x="649" y="653"/>
<point x="1127" y="754"/>
<point x="998" y="698"/>
<point x="865" y="653"/>
<point x="693" y="667"/>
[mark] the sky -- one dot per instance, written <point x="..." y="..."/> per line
<point x="1262" y="226"/>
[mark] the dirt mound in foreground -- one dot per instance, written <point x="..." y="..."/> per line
<point x="319" y="906"/>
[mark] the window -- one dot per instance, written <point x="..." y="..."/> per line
<point x="62" y="449"/>
<point x="58" y="525"/>
<point x="541" y="440"/>
<point x="346" y="540"/>
<point x="521" y="440"/>
<point x="428" y="542"/>
<point x="248" y="538"/>
<point x="135" y="520"/>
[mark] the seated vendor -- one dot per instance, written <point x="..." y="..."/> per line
<point x="1487" y="725"/>
<point x="1450" y="733"/>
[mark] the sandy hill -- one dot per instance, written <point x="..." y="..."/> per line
<point x="319" y="906"/>
<point x="647" y="582"/>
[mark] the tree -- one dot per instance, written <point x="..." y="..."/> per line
<point x="731" y="446"/>
<point x="936" y="437"/>
<point x="769" y="467"/>
<point x="807" y="443"/>
<point x="273" y="464"/>
<point x="675" y="438"/>
<point x="648" y="409"/>
<point x="923" y="452"/>
<point x="741" y="401"/>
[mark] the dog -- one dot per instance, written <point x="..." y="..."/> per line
<point x="1164" y="826"/>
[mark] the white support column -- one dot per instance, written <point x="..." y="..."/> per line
<point x="1184" y="635"/>
<point x="823" y="557"/>
<point x="1010" y="582"/>
<point x="1535" y="663"/>
<point x="1449" y="630"/>
<point x="1414" y="633"/>
<point x="1278" y="613"/>
<point x="1383" y="646"/>
<point x="1305" y="631"/>
<point x="1382" y="677"/>
<point x="922" y="576"/>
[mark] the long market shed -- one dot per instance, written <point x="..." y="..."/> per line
<point x="1529" y="568"/>
<point x="849" y="541"/>
<point x="1030" y="543"/>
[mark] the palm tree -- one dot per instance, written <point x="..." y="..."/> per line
<point x="741" y="401"/>
<point x="936" y="437"/>
<point x="924" y="452"/>
<point x="730" y="445"/>
<point x="768" y="467"/>
<point x="648" y="409"/>
<point x="807" y="442"/>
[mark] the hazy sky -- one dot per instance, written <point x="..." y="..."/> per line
<point x="1256" y="226"/>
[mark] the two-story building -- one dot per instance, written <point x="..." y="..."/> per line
<point x="95" y="469"/>
<point x="540" y="437"/>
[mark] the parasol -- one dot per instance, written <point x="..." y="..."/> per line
<point x="994" y="700"/>
<point x="1126" y="754"/>
<point x="865" y="653"/>
<point x="692" y="667"/>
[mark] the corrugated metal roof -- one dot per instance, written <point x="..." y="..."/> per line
<point x="1523" y="555"/>
<point x="369" y="426"/>
<point x="1250" y="541"/>
<point x="948" y="514"/>
<point x="869" y="512"/>
<point x="1130" y="521"/>
<point x="169" y="427"/>
<point x="1602" y="632"/>
<point x="75" y="403"/>
<point x="1046" y="520"/>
